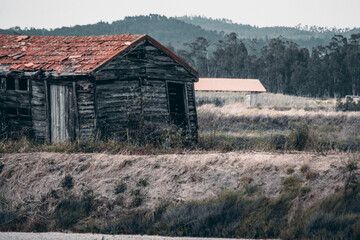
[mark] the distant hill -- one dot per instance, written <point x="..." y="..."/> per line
<point x="165" y="30"/>
<point x="247" y="31"/>
<point x="175" y="31"/>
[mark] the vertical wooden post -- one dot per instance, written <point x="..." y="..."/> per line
<point x="16" y="83"/>
<point x="47" y="108"/>
<point x="77" y="120"/>
<point x="186" y="102"/>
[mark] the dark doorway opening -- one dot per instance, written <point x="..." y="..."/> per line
<point x="177" y="104"/>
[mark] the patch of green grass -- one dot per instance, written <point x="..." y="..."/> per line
<point x="291" y="184"/>
<point x="290" y="171"/>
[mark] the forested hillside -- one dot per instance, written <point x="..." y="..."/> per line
<point x="282" y="66"/>
<point x="168" y="31"/>
<point x="176" y="31"/>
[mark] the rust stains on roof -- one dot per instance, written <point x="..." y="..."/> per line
<point x="229" y="84"/>
<point x="76" y="54"/>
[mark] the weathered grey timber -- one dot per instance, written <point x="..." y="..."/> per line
<point x="143" y="89"/>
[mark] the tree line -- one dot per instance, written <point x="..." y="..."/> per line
<point x="282" y="66"/>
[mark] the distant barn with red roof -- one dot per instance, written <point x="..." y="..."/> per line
<point x="112" y="87"/>
<point x="229" y="84"/>
<point x="250" y="86"/>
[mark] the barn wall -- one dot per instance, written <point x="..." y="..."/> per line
<point x="118" y="96"/>
<point x="38" y="109"/>
<point x="131" y="92"/>
<point x="117" y="108"/>
<point x="155" y="106"/>
<point x="162" y="68"/>
<point x="86" y="126"/>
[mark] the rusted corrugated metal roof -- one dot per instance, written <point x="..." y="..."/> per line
<point x="76" y="54"/>
<point x="229" y="84"/>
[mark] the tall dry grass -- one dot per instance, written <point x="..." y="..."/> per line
<point x="273" y="123"/>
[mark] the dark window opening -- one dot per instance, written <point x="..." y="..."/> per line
<point x="23" y="84"/>
<point x="24" y="114"/>
<point x="10" y="84"/>
<point x="12" y="113"/>
<point x="16" y="84"/>
<point x="177" y="104"/>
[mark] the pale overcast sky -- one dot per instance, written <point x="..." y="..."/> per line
<point x="58" y="13"/>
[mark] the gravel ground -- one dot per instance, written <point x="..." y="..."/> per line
<point x="77" y="236"/>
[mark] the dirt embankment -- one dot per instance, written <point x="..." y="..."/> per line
<point x="27" y="178"/>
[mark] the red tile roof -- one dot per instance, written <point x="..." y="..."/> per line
<point x="229" y="84"/>
<point x="77" y="54"/>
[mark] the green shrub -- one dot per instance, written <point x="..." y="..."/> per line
<point x="336" y="217"/>
<point x="305" y="190"/>
<point x="289" y="171"/>
<point x="67" y="182"/>
<point x="299" y="137"/>
<point x="70" y="210"/>
<point x="136" y="201"/>
<point x="310" y="175"/>
<point x="349" y="105"/>
<point x="133" y="223"/>
<point x="142" y="182"/>
<point x="348" y="145"/>
<point x="291" y="184"/>
<point x="351" y="167"/>
<point x="304" y="168"/>
<point x="120" y="187"/>
<point x="137" y="198"/>
<point x="329" y="226"/>
<point x="231" y="214"/>
<point x="277" y="142"/>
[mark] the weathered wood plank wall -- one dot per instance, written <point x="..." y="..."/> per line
<point x="38" y="109"/>
<point x="86" y="109"/>
<point x="161" y="67"/>
<point x="131" y="92"/>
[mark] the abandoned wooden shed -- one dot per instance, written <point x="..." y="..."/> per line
<point x="251" y="86"/>
<point x="64" y="88"/>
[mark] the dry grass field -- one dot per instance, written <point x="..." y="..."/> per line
<point x="225" y="120"/>
<point x="288" y="168"/>
<point x="166" y="194"/>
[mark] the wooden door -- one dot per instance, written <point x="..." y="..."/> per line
<point x="177" y="104"/>
<point x="62" y="114"/>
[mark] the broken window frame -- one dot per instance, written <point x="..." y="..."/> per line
<point x="18" y="114"/>
<point x="17" y="84"/>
